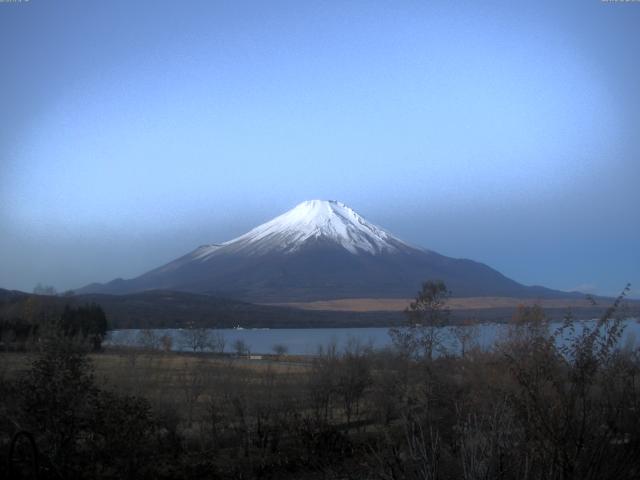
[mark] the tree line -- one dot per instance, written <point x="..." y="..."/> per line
<point x="33" y="319"/>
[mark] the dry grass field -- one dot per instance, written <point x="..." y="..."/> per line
<point x="177" y="380"/>
<point x="399" y="304"/>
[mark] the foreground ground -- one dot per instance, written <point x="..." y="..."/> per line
<point x="526" y="409"/>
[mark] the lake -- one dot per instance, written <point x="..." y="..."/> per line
<point x="306" y="341"/>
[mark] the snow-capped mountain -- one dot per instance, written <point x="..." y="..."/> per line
<point x="318" y="250"/>
<point x="313" y="220"/>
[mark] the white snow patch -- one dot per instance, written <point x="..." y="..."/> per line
<point x="313" y="219"/>
<point x="205" y="251"/>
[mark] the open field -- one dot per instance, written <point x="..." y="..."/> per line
<point x="137" y="368"/>
<point x="399" y="304"/>
<point x="188" y="385"/>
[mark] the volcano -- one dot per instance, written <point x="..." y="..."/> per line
<point x="320" y="250"/>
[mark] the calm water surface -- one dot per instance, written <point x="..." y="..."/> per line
<point x="306" y="341"/>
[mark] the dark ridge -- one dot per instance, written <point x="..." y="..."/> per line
<point x="171" y="309"/>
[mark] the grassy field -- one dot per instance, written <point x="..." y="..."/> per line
<point x="399" y="304"/>
<point x="183" y="382"/>
<point x="140" y="368"/>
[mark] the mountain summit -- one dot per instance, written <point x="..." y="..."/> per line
<point x="320" y="249"/>
<point x="313" y="221"/>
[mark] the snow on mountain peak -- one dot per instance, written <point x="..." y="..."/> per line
<point x="326" y="220"/>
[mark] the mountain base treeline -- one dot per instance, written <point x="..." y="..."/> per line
<point x="166" y="309"/>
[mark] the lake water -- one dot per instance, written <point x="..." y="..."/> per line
<point x="306" y="341"/>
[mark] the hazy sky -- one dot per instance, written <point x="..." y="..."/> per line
<point x="506" y="132"/>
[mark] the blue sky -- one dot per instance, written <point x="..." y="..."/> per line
<point x="505" y="132"/>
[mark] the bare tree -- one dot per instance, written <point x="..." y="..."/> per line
<point x="166" y="341"/>
<point x="353" y="377"/>
<point x="577" y="398"/>
<point x="148" y="340"/>
<point x="217" y="342"/>
<point x="486" y="441"/>
<point x="426" y="316"/>
<point x="196" y="338"/>
<point x="280" y="349"/>
<point x="193" y="385"/>
<point x="414" y="456"/>
<point x="240" y="347"/>
<point x="322" y="382"/>
<point x="466" y="335"/>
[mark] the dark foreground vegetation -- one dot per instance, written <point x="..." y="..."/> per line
<point x="529" y="408"/>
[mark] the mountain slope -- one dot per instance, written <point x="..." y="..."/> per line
<point x="319" y="250"/>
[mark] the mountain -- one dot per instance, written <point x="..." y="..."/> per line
<point x="319" y="250"/>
